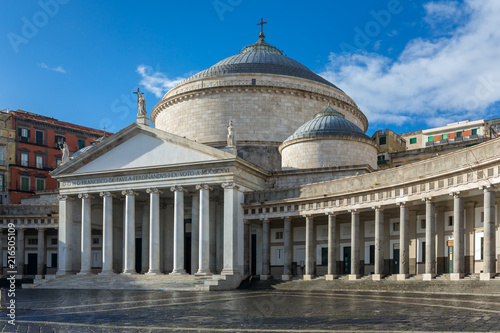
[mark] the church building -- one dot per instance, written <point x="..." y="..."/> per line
<point x="258" y="166"/>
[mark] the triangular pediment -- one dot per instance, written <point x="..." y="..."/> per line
<point x="139" y="147"/>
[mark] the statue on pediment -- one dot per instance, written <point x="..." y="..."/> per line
<point x="231" y="142"/>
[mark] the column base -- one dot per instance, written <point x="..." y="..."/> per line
<point x="308" y="277"/>
<point x="106" y="273"/>
<point x="178" y="272"/>
<point x="486" y="276"/>
<point x="428" y="276"/>
<point x="154" y="272"/>
<point x="85" y="273"/>
<point x="203" y="273"/>
<point x="286" y="277"/>
<point x="330" y="277"/>
<point x="61" y="273"/>
<point x="129" y="273"/>
<point x="353" y="277"/>
<point x="228" y="271"/>
<point x="264" y="277"/>
<point x="456" y="276"/>
<point x="402" y="277"/>
<point x="377" y="277"/>
<point x="38" y="277"/>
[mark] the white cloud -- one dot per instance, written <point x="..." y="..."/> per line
<point x="55" y="69"/>
<point x="156" y="82"/>
<point x="438" y="80"/>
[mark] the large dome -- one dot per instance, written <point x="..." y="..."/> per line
<point x="263" y="58"/>
<point x="265" y="94"/>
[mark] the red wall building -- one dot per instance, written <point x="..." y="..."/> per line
<point x="38" y="143"/>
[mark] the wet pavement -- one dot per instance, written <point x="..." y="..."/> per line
<point x="249" y="311"/>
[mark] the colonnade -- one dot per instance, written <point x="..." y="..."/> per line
<point x="489" y="262"/>
<point x="202" y="235"/>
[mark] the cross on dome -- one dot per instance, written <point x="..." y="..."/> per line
<point x="261" y="27"/>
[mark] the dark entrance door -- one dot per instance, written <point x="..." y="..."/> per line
<point x="32" y="263"/>
<point x="187" y="253"/>
<point x="395" y="266"/>
<point x="254" y="255"/>
<point x="54" y="260"/>
<point x="138" y="255"/>
<point x="347" y="260"/>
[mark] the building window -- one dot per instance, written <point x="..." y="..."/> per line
<point x="39" y="161"/>
<point x="372" y="254"/>
<point x="459" y="134"/>
<point x="24" y="134"/>
<point x="2" y="155"/>
<point x="60" y="140"/>
<point x="25" y="183"/>
<point x="445" y="136"/>
<point x="279" y="234"/>
<point x="39" y="137"/>
<point x="413" y="141"/>
<point x="81" y="143"/>
<point x="382" y="140"/>
<point x="395" y="226"/>
<point x="53" y="241"/>
<point x="40" y="184"/>
<point x="32" y="241"/>
<point x="430" y="139"/>
<point x="24" y="159"/>
<point x="422" y="224"/>
<point x="450" y="221"/>
<point x="474" y="131"/>
<point x="381" y="157"/>
<point x="95" y="241"/>
<point x="1" y="183"/>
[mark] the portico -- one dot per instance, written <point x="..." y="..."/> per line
<point x="127" y="203"/>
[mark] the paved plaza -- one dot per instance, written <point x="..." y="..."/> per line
<point x="249" y="311"/>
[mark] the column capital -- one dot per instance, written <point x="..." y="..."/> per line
<point x="288" y="218"/>
<point x="264" y="220"/>
<point x="64" y="197"/>
<point x="85" y="196"/>
<point x="332" y="213"/>
<point x="229" y="186"/>
<point x="41" y="229"/>
<point x="154" y="190"/>
<point x="354" y="211"/>
<point x="178" y="188"/>
<point x="487" y="188"/>
<point x="106" y="194"/>
<point x="429" y="199"/>
<point x="130" y="192"/>
<point x="378" y="208"/>
<point x="402" y="204"/>
<point x="204" y="187"/>
<point x="455" y="194"/>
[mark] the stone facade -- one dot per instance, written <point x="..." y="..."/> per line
<point x="328" y="151"/>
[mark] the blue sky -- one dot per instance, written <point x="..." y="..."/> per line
<point x="408" y="64"/>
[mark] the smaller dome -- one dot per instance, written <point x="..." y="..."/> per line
<point x="328" y="122"/>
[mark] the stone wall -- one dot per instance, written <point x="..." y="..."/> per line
<point x="328" y="151"/>
<point x="269" y="111"/>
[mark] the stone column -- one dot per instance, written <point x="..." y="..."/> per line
<point x="379" y="244"/>
<point x="404" y="245"/>
<point x="440" y="243"/>
<point x="65" y="246"/>
<point x="169" y="236"/>
<point x="458" y="237"/>
<point x="195" y="232"/>
<point x="213" y="235"/>
<point x="154" y="231"/>
<point x="232" y="215"/>
<point x="86" y="243"/>
<point x="355" y="257"/>
<point x="489" y="270"/>
<point x="310" y="248"/>
<point x="178" y="230"/>
<point x="129" y="229"/>
<point x="107" y="233"/>
<point x="20" y="252"/>
<point x="430" y="240"/>
<point x="145" y="232"/>
<point x="287" y="249"/>
<point x="332" y="243"/>
<point x="266" y="263"/>
<point x="204" y="228"/>
<point x="42" y="251"/>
